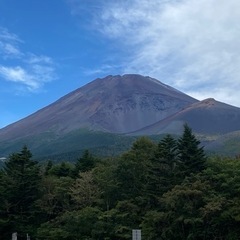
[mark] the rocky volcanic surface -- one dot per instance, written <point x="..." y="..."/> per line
<point x="206" y="117"/>
<point x="127" y="105"/>
<point x="116" y="104"/>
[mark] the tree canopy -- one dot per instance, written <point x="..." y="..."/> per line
<point x="169" y="190"/>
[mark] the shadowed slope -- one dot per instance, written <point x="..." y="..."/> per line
<point x="205" y="117"/>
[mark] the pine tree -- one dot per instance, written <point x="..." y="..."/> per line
<point x="167" y="151"/>
<point x="161" y="169"/>
<point x="191" y="155"/>
<point x="20" y="181"/>
<point x="85" y="163"/>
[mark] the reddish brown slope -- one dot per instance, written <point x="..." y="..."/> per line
<point x="206" y="117"/>
<point x="117" y="104"/>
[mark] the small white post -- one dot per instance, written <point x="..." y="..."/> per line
<point x="14" y="236"/>
<point x="136" y="234"/>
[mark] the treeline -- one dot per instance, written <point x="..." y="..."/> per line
<point x="169" y="190"/>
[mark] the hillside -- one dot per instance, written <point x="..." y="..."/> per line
<point x="116" y="104"/>
<point x="208" y="117"/>
<point x="107" y="114"/>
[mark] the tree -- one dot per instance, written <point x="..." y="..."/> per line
<point x="84" y="163"/>
<point x="104" y="175"/>
<point x="161" y="169"/>
<point x="182" y="210"/>
<point x="20" y="181"/>
<point x="71" y="225"/>
<point x="85" y="191"/>
<point x="48" y="167"/>
<point x="55" y="196"/>
<point x="131" y="172"/>
<point x="167" y="150"/>
<point x="190" y="155"/>
<point x="224" y="176"/>
<point x="63" y="169"/>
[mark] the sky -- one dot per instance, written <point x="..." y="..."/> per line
<point x="49" y="48"/>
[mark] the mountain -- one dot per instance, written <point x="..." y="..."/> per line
<point x="208" y="117"/>
<point x="108" y="113"/>
<point x="115" y="104"/>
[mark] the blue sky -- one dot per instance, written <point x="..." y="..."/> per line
<point x="51" y="47"/>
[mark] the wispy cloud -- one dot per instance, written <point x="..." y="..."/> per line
<point x="191" y="44"/>
<point x="18" y="74"/>
<point x="11" y="50"/>
<point x="9" y="44"/>
<point x="24" y="68"/>
<point x="34" y="59"/>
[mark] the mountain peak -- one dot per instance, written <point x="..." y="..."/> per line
<point x="121" y="104"/>
<point x="133" y="83"/>
<point x="208" y="101"/>
<point x="116" y="104"/>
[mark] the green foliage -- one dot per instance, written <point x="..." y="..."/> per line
<point x="85" y="163"/>
<point x="81" y="225"/>
<point x="20" y="184"/>
<point x="70" y="145"/>
<point x="170" y="190"/>
<point x="167" y="150"/>
<point x="104" y="176"/>
<point x="191" y="156"/>
<point x="63" y="169"/>
<point x="182" y="205"/>
<point x="161" y="169"/>
<point x="85" y="191"/>
<point x="48" y="167"/>
<point x="55" y="196"/>
<point x="131" y="172"/>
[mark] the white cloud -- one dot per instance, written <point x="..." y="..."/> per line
<point x="43" y="73"/>
<point x="7" y="36"/>
<point x="33" y="59"/>
<point x="18" y="74"/>
<point x="9" y="44"/>
<point x="192" y="45"/>
<point x="25" y="68"/>
<point x="11" y="50"/>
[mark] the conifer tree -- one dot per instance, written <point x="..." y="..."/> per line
<point x="167" y="151"/>
<point x="191" y="155"/>
<point x="85" y="163"/>
<point x="161" y="168"/>
<point x="20" y="181"/>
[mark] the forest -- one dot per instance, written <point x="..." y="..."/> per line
<point x="169" y="190"/>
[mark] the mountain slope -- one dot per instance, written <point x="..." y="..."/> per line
<point x="99" y="115"/>
<point x="205" y="117"/>
<point x="115" y="104"/>
<point x="227" y="144"/>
